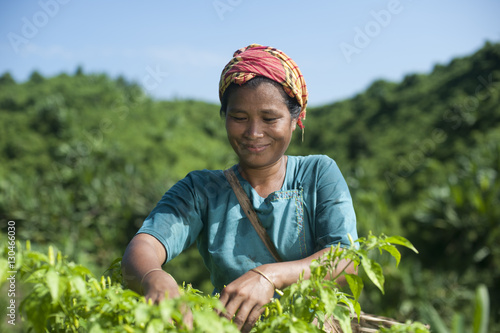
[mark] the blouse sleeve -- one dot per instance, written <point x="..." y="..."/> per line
<point x="176" y="220"/>
<point x="334" y="216"/>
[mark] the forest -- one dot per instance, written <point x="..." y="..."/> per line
<point x="85" y="157"/>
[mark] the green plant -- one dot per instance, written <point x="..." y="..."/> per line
<point x="309" y="304"/>
<point x="61" y="296"/>
<point x="65" y="297"/>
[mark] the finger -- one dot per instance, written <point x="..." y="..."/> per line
<point x="248" y="314"/>
<point x="241" y="317"/>
<point x="252" y="318"/>
<point x="222" y="308"/>
<point x="224" y="298"/>
<point x="155" y="298"/>
<point x="231" y="307"/>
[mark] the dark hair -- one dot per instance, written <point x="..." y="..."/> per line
<point x="292" y="104"/>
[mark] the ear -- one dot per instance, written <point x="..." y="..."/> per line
<point x="294" y="124"/>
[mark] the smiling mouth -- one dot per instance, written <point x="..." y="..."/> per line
<point x="256" y="148"/>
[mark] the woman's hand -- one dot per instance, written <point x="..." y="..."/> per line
<point x="158" y="283"/>
<point x="244" y="299"/>
<point x="162" y="285"/>
<point x="141" y="268"/>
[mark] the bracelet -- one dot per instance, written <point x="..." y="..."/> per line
<point x="265" y="276"/>
<point x="151" y="270"/>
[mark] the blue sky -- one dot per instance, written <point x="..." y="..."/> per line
<point x="177" y="49"/>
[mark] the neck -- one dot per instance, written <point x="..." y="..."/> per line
<point x="265" y="180"/>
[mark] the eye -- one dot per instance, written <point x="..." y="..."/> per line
<point x="238" y="118"/>
<point x="270" y="120"/>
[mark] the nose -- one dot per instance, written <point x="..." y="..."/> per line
<point x="254" y="129"/>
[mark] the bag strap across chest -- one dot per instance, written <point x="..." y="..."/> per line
<point x="250" y="212"/>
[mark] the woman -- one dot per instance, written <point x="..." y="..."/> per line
<point x="302" y="202"/>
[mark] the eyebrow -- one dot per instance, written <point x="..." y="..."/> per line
<point x="265" y="111"/>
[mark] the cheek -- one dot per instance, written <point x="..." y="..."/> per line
<point x="229" y="126"/>
<point x="232" y="129"/>
<point x="289" y="128"/>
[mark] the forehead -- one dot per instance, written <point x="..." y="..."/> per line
<point x="265" y="94"/>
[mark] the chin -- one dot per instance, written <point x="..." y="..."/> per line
<point x="257" y="160"/>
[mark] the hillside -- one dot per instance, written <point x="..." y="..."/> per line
<point x="86" y="157"/>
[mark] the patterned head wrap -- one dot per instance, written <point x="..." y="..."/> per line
<point x="257" y="60"/>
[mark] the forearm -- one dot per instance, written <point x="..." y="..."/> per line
<point x="284" y="274"/>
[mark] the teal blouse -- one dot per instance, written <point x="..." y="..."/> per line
<point x="313" y="210"/>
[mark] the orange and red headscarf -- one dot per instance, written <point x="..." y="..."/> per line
<point x="257" y="60"/>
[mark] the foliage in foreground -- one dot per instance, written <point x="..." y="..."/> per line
<point x="62" y="296"/>
<point x="319" y="299"/>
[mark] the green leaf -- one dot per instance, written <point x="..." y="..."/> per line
<point x="141" y="314"/>
<point x="328" y="299"/>
<point x="374" y="272"/>
<point x="4" y="275"/>
<point x="155" y="325"/>
<point x="81" y="270"/>
<point x="342" y="315"/>
<point x="357" y="308"/>
<point x="165" y="312"/>
<point x="393" y="251"/>
<point x="79" y="285"/>
<point x="482" y="310"/>
<point x="401" y="241"/>
<point x="457" y="323"/>
<point x="37" y="257"/>
<point x="52" y="279"/>
<point x="96" y="328"/>
<point x="355" y="284"/>
<point x="435" y="320"/>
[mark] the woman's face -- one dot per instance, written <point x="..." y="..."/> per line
<point x="258" y="125"/>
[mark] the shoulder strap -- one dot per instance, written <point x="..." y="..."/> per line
<point x="250" y="212"/>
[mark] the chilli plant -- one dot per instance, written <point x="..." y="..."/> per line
<point x="62" y="296"/>
<point x="319" y="303"/>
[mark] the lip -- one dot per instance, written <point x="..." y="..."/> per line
<point x="255" y="148"/>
